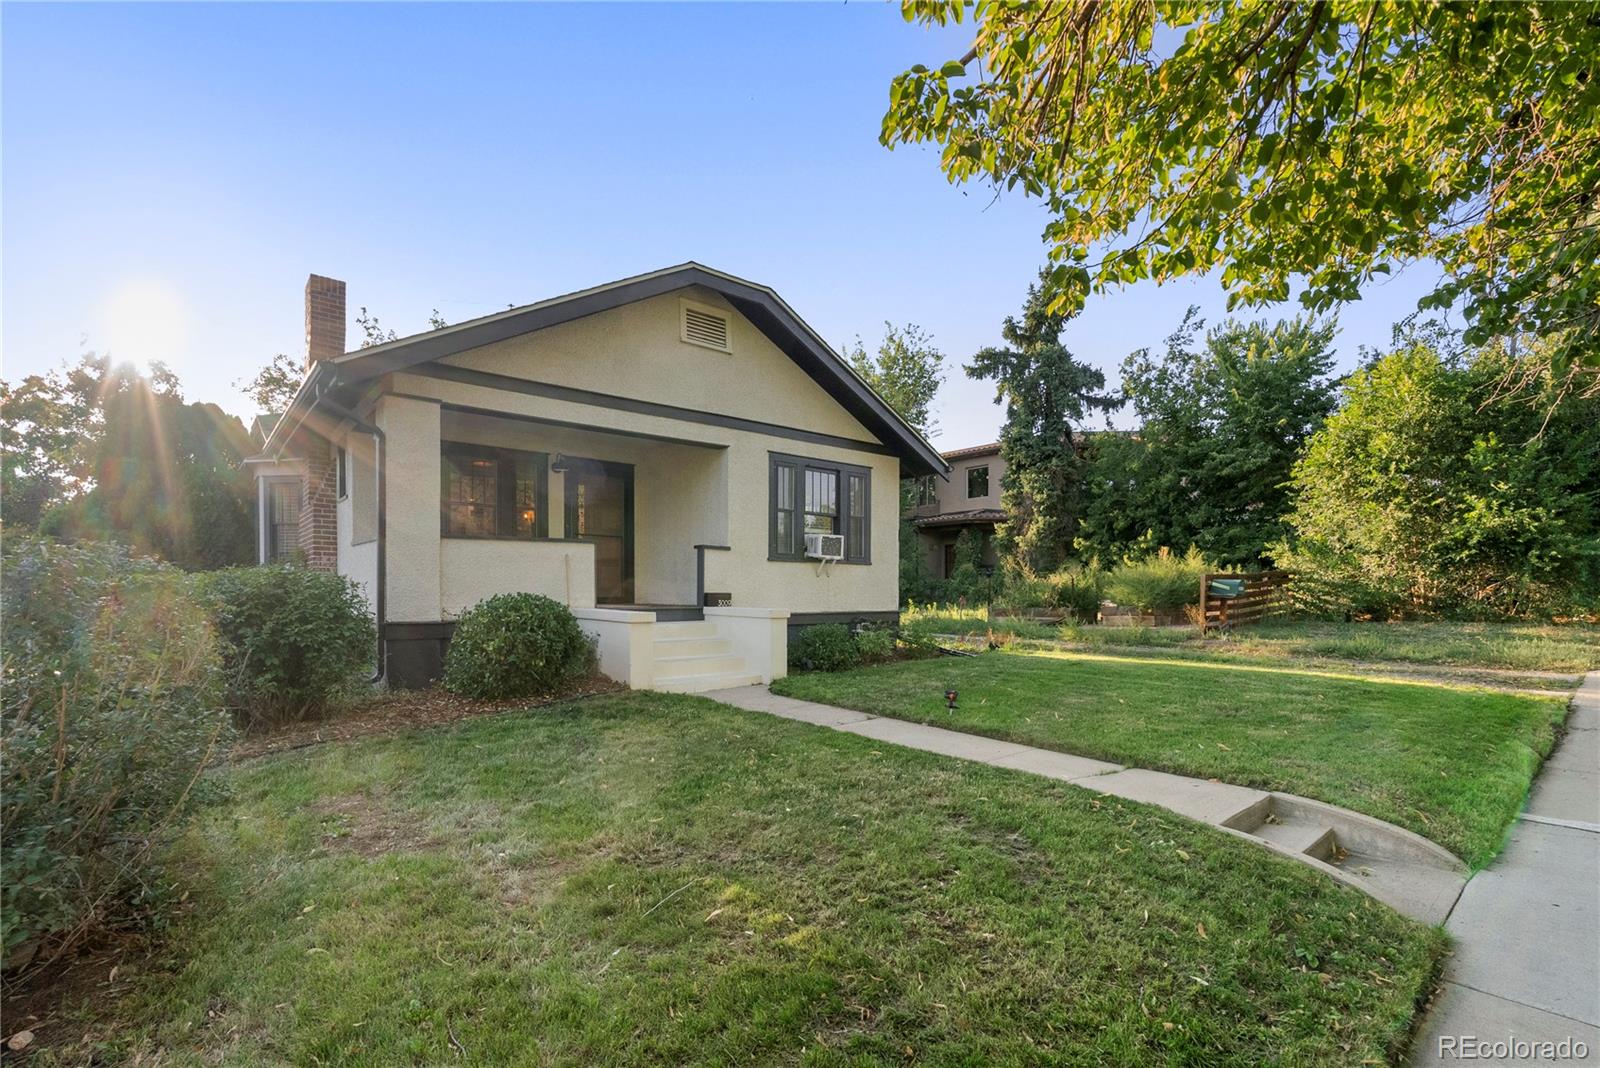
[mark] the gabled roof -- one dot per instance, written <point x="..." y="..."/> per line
<point x="757" y="303"/>
<point x="261" y="426"/>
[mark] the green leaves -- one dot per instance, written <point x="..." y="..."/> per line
<point x="1442" y="488"/>
<point x="1301" y="146"/>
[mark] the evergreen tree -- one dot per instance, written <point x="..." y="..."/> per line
<point x="1047" y="394"/>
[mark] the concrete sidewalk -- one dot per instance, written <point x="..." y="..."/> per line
<point x="1527" y="928"/>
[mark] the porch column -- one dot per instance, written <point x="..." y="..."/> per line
<point x="411" y="439"/>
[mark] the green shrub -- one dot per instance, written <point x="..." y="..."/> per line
<point x="516" y="645"/>
<point x="824" y="647"/>
<point x="111" y="708"/>
<point x="1160" y="583"/>
<point x="294" y="642"/>
<point x="1078" y="591"/>
<point x="1023" y="591"/>
<point x="875" y="645"/>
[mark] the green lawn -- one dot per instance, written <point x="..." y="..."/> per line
<point x="647" y="879"/>
<point x="1572" y="647"/>
<point x="1450" y="763"/>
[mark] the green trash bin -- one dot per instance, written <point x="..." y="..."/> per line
<point x="1225" y="588"/>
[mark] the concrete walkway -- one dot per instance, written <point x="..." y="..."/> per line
<point x="1401" y="869"/>
<point x="1526" y="966"/>
<point x="1527" y="928"/>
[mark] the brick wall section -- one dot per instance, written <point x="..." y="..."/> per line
<point x="319" y="531"/>
<point x="324" y="318"/>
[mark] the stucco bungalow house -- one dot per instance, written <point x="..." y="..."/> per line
<point x="677" y="456"/>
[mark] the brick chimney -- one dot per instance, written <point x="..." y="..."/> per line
<point x="319" y="531"/>
<point x="324" y="318"/>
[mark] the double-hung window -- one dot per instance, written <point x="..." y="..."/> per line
<point x="491" y="493"/>
<point x="818" y="497"/>
<point x="283" y="520"/>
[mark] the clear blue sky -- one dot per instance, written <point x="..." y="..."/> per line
<point x="171" y="173"/>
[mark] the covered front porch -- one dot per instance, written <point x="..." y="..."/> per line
<point x="626" y="529"/>
<point x="622" y="513"/>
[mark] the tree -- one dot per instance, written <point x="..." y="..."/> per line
<point x="275" y="385"/>
<point x="906" y="371"/>
<point x="44" y="420"/>
<point x="1221" y="427"/>
<point x="1318" y="144"/>
<point x="1046" y="392"/>
<point x="98" y="451"/>
<point x="372" y="332"/>
<point x="1432" y="492"/>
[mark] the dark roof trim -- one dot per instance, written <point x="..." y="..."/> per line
<point x="975" y="515"/>
<point x="972" y="451"/>
<point x="757" y="303"/>
<point x="488" y="379"/>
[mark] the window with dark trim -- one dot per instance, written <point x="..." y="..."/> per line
<point x="343" y="479"/>
<point x="818" y="497"/>
<point x="978" y="481"/>
<point x="924" y="490"/>
<point x="491" y="493"/>
<point x="283" y="520"/>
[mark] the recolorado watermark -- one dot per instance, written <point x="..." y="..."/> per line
<point x="1511" y="1048"/>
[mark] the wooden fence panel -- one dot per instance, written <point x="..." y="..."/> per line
<point x="1265" y="592"/>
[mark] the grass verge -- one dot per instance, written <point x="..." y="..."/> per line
<point x="1450" y="763"/>
<point x="647" y="879"/>
<point x="1570" y="648"/>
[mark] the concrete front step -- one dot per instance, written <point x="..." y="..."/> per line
<point x="686" y="628"/>
<point x="678" y="667"/>
<point x="692" y="647"/>
<point x="705" y="683"/>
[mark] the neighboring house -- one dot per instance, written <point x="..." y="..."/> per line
<point x="655" y="453"/>
<point x="941" y="509"/>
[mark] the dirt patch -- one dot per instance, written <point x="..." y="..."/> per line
<point x="54" y="1002"/>
<point x="365" y="825"/>
<point x="398" y="711"/>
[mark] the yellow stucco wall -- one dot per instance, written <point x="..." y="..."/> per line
<point x="636" y="351"/>
<point x="694" y="483"/>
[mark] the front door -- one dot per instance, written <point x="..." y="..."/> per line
<point x="600" y="511"/>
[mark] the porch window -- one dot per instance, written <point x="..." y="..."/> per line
<point x="818" y="497"/>
<point x="491" y="493"/>
<point x="283" y="520"/>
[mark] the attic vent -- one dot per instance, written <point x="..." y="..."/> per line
<point x="705" y="326"/>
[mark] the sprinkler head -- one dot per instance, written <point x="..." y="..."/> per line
<point x="950" y="699"/>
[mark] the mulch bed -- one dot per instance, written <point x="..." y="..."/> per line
<point x="398" y="711"/>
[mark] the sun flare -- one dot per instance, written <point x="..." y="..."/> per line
<point x="145" y="321"/>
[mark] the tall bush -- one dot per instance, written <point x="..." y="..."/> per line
<point x="111" y="709"/>
<point x="294" y="642"/>
<point x="1078" y="590"/>
<point x="516" y="645"/>
<point x="1164" y="582"/>
<point x="1436" y="489"/>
